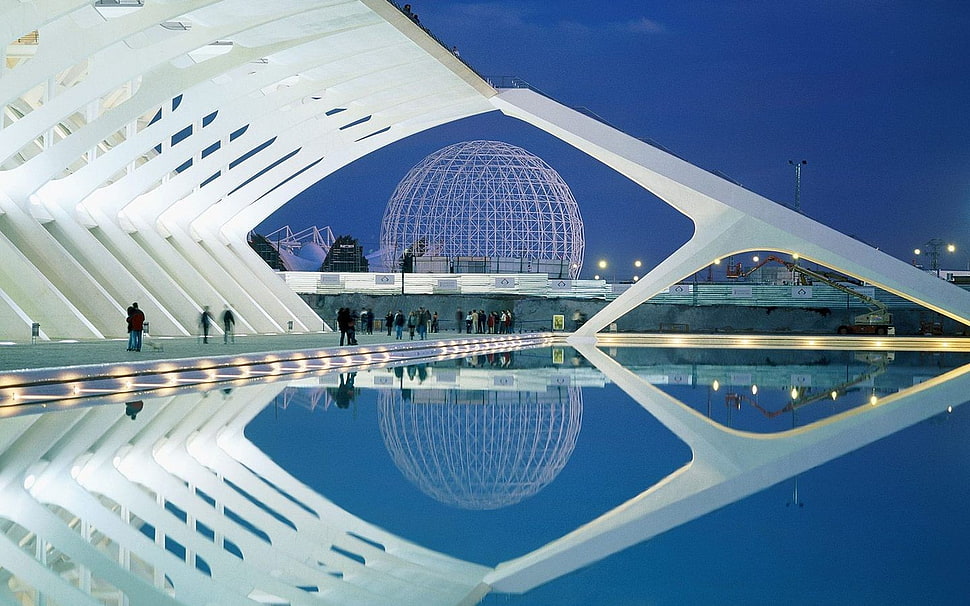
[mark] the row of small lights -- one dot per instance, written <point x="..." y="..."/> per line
<point x="603" y="264"/>
<point x="362" y="357"/>
<point x="249" y="368"/>
<point x="834" y="394"/>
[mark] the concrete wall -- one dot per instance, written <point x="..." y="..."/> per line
<point x="536" y="314"/>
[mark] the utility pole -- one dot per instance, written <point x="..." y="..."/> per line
<point x="798" y="183"/>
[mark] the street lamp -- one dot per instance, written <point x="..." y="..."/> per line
<point x="636" y="269"/>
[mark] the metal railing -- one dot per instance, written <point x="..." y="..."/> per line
<point x="539" y="285"/>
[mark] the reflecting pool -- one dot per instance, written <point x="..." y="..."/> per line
<point x="619" y="474"/>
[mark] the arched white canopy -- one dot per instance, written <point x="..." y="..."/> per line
<point x="141" y="140"/>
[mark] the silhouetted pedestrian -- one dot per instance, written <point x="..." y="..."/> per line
<point x="204" y="321"/>
<point x="229" y="325"/>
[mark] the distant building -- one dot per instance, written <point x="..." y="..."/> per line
<point x="345" y="255"/>
<point x="267" y="250"/>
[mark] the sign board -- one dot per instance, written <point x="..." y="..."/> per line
<point x="678" y="378"/>
<point x="801" y="380"/>
<point x="742" y="292"/>
<point x="330" y="279"/>
<point x="680" y="289"/>
<point x="561" y="284"/>
<point x="560" y="380"/>
<point x="739" y="379"/>
<point x="445" y="375"/>
<point x="559" y="322"/>
<point x="801" y="292"/>
<point x="384" y="279"/>
<point x="448" y="284"/>
<point x="505" y="282"/>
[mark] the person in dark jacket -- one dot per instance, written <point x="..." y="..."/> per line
<point x="136" y="323"/>
<point x="205" y="320"/>
<point x="229" y="325"/>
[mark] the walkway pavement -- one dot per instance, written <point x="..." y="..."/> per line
<point x="57" y="354"/>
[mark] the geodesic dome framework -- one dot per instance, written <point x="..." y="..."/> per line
<point x="488" y="200"/>
<point x="481" y="449"/>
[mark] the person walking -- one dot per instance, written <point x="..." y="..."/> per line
<point x="204" y="321"/>
<point x="343" y="324"/>
<point x="422" y="324"/>
<point x="136" y="324"/>
<point x="399" y="324"/>
<point x="229" y="325"/>
<point x="412" y="324"/>
<point x="389" y="321"/>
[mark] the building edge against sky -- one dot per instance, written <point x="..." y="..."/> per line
<point x="143" y="141"/>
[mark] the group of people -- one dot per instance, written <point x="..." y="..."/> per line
<point x="137" y="325"/>
<point x="480" y="322"/>
<point x="420" y="321"/>
<point x="228" y="324"/>
<point x="347" y="325"/>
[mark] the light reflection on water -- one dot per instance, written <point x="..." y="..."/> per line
<point x="488" y="457"/>
<point x="769" y="391"/>
<point x="482" y="458"/>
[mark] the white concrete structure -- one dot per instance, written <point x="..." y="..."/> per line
<point x="140" y="140"/>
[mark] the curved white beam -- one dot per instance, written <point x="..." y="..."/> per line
<point x="727" y="218"/>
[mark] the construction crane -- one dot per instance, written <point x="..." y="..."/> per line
<point x="878" y="320"/>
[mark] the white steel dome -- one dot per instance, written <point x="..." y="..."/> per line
<point x="488" y="200"/>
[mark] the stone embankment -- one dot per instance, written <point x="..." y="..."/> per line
<point x="535" y="313"/>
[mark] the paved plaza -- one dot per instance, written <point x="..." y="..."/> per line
<point x="55" y="354"/>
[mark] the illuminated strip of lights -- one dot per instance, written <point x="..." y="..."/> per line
<point x="17" y="397"/>
<point x="173" y="375"/>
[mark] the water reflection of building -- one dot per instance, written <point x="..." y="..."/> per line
<point x="177" y="506"/>
<point x="480" y="449"/>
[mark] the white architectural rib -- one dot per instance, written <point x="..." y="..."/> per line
<point x="726" y="466"/>
<point x="102" y="226"/>
<point x="728" y="219"/>
<point x="173" y="469"/>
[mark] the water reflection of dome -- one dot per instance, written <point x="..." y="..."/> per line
<point x="481" y="449"/>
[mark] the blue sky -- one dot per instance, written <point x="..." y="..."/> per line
<point x="872" y="94"/>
